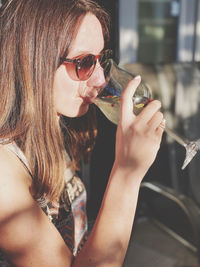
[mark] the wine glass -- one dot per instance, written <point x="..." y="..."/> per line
<point x="108" y="101"/>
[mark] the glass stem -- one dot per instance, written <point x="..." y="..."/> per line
<point x="178" y="139"/>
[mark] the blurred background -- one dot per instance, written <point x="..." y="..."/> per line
<point x="160" y="40"/>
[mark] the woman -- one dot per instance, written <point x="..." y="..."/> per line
<point x="47" y="126"/>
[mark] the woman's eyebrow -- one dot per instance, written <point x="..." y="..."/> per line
<point x="83" y="53"/>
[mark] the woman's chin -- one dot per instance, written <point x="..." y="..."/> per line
<point x="77" y="112"/>
<point x="83" y="110"/>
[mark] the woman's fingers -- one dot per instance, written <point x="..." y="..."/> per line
<point x="161" y="127"/>
<point x="149" y="111"/>
<point x="155" y="121"/>
<point x="149" y="118"/>
<point x="127" y="99"/>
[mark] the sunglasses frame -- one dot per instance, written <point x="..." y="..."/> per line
<point x="102" y="57"/>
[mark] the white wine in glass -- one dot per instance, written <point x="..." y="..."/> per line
<point x="108" y="101"/>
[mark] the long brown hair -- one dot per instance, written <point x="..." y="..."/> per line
<point x="35" y="34"/>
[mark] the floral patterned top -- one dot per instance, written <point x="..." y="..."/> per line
<point x="68" y="215"/>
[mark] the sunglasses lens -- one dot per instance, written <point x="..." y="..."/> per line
<point x="71" y="70"/>
<point x="86" y="67"/>
<point x="105" y="56"/>
<point x="82" y="68"/>
<point x="105" y="61"/>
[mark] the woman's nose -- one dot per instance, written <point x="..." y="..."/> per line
<point x="97" y="78"/>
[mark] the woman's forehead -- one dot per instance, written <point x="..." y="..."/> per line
<point x="89" y="38"/>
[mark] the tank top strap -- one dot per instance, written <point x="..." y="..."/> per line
<point x="18" y="152"/>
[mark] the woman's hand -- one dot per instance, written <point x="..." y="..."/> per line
<point x="137" y="142"/>
<point x="138" y="137"/>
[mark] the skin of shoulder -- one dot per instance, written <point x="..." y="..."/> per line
<point x="14" y="180"/>
<point x="27" y="236"/>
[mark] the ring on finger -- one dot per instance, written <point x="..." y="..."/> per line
<point x="162" y="124"/>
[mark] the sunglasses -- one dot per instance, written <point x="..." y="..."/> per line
<point x="81" y="68"/>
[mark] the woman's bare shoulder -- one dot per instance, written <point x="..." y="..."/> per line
<point x="27" y="236"/>
<point x="15" y="181"/>
<point x="10" y="163"/>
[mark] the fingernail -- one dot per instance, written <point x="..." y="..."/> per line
<point x="138" y="77"/>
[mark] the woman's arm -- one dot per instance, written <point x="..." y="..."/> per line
<point x="137" y="142"/>
<point x="27" y="237"/>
